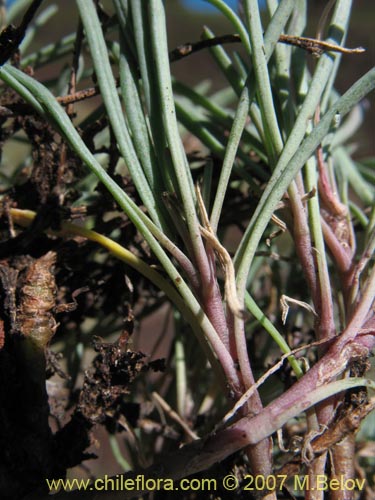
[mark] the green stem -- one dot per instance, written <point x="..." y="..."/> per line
<point x="258" y="314"/>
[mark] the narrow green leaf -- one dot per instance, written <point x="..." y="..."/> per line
<point x="285" y="173"/>
<point x="112" y="103"/>
<point x="238" y="126"/>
